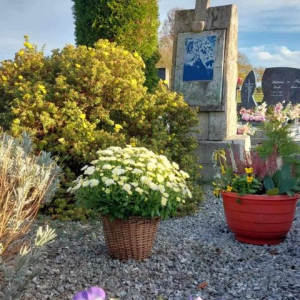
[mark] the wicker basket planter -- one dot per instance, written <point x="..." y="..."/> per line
<point x="132" y="238"/>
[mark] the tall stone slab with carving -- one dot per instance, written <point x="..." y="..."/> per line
<point x="205" y="71"/>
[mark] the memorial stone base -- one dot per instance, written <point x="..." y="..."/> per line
<point x="206" y="148"/>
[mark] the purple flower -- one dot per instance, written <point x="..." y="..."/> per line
<point x="94" y="293"/>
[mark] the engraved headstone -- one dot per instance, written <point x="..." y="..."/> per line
<point x="281" y="84"/>
<point x="248" y="90"/>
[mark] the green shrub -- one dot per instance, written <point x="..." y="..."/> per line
<point x="132" y="24"/>
<point x="81" y="99"/>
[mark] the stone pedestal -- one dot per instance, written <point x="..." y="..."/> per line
<point x="206" y="149"/>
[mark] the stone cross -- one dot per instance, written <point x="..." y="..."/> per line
<point x="200" y="15"/>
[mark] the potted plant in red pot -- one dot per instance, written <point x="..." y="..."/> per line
<point x="260" y="190"/>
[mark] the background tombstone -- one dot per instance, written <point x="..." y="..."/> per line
<point x="248" y="90"/>
<point x="281" y="84"/>
<point x="205" y="72"/>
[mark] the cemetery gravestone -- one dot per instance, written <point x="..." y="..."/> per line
<point x="248" y="90"/>
<point x="281" y="84"/>
<point x="205" y="72"/>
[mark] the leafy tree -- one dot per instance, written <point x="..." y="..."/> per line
<point x="166" y="40"/>
<point x="132" y="24"/>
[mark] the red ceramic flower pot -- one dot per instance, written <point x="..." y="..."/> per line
<point x="259" y="219"/>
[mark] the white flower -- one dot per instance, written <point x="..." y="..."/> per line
<point x="118" y="171"/>
<point x="139" y="190"/>
<point x="121" y="183"/>
<point x="189" y="193"/>
<point x="172" y="177"/>
<point x="184" y="174"/>
<point x="126" y="187"/>
<point x="176" y="189"/>
<point x="135" y="184"/>
<point x="129" y="161"/>
<point x="107" y="191"/>
<point x="86" y="183"/>
<point x="175" y="165"/>
<point x="94" y="162"/>
<point x="151" y="166"/>
<point x="107" y="167"/>
<point x="160" y="178"/>
<point x="109" y="182"/>
<point x="84" y="168"/>
<point x="164" y="201"/>
<point x="137" y="171"/>
<point x="94" y="182"/>
<point x="166" y="195"/>
<point x="89" y="170"/>
<point x="153" y="186"/>
<point x="146" y="180"/>
<point x="161" y="188"/>
<point x="77" y="186"/>
<point x="178" y="199"/>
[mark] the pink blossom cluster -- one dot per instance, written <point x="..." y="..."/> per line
<point x="257" y="114"/>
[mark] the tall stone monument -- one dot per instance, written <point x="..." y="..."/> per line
<point x="205" y="72"/>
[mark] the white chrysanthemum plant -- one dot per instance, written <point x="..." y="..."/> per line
<point x="132" y="181"/>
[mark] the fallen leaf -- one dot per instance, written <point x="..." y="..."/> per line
<point x="202" y="285"/>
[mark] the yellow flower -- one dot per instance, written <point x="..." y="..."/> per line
<point x="82" y="116"/>
<point x="21" y="52"/>
<point x="78" y="66"/>
<point x="134" y="82"/>
<point x="133" y="144"/>
<point x="249" y="179"/>
<point x="42" y="88"/>
<point x="4" y="78"/>
<point x="249" y="170"/>
<point x="20" y="77"/>
<point x="118" y="127"/>
<point x="229" y="188"/>
<point x="216" y="192"/>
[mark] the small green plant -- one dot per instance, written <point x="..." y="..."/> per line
<point x="15" y="277"/>
<point x="282" y="182"/>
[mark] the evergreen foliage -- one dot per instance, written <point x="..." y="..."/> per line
<point x="132" y="24"/>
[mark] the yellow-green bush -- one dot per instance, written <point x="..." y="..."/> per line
<point x="81" y="99"/>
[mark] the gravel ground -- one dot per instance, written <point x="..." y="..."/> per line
<point x="192" y="256"/>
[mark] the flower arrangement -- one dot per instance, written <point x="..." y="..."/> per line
<point x="252" y="174"/>
<point x="258" y="114"/>
<point x="277" y="113"/>
<point x="132" y="181"/>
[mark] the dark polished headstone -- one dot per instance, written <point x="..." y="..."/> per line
<point x="248" y="90"/>
<point x="281" y="84"/>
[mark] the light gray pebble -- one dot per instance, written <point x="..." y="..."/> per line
<point x="187" y="252"/>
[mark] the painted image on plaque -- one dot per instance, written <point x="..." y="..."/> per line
<point x="199" y="58"/>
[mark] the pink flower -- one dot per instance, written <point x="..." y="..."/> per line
<point x="246" y="117"/>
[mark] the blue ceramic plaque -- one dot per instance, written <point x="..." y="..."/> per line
<point x="199" y="58"/>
